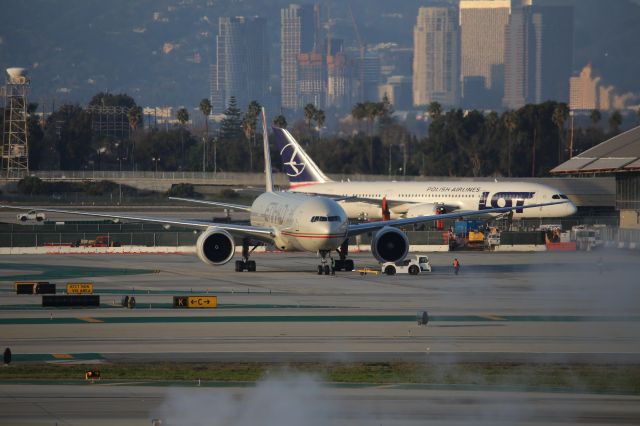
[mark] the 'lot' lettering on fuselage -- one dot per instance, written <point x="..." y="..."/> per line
<point x="508" y="197"/>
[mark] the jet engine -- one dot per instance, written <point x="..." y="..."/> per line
<point x="390" y="245"/>
<point x="424" y="209"/>
<point x="215" y="246"/>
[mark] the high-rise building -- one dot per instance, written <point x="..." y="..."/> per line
<point x="242" y="59"/>
<point x="482" y="31"/>
<point x="369" y="77"/>
<point x="538" y="54"/>
<point x="339" y="81"/>
<point x="519" y="52"/>
<point x="312" y="79"/>
<point x="435" y="59"/>
<point x="297" y="34"/>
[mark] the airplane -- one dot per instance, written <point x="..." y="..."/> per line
<point x="291" y="222"/>
<point x="392" y="200"/>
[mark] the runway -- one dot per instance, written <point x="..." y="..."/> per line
<point x="302" y="400"/>
<point x="502" y="307"/>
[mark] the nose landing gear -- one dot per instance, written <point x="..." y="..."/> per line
<point x="341" y="264"/>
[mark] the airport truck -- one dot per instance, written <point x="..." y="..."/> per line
<point x="31" y="215"/>
<point x="414" y="266"/>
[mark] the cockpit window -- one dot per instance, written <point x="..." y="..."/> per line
<point x="325" y="219"/>
<point x="559" y="196"/>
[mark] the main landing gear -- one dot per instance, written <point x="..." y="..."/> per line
<point x="341" y="264"/>
<point x="245" y="263"/>
<point x="344" y="264"/>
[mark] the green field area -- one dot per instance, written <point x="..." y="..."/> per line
<point x="615" y="379"/>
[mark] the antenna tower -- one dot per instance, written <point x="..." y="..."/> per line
<point x="15" y="148"/>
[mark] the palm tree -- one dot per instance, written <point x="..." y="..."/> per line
<point x="560" y="115"/>
<point x="511" y="123"/>
<point x="595" y="117"/>
<point x="319" y="118"/>
<point x="615" y="121"/>
<point x="183" y="117"/>
<point x="134" y="115"/>
<point x="434" y="110"/>
<point x="309" y="113"/>
<point x="249" y="128"/>
<point x="280" y="121"/>
<point x="205" y="109"/>
<point x="358" y="112"/>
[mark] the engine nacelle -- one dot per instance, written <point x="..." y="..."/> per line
<point x="215" y="246"/>
<point x="425" y="209"/>
<point x="390" y="245"/>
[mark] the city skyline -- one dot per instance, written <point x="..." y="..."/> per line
<point x="367" y="76"/>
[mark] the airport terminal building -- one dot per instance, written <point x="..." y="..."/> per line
<point x="618" y="157"/>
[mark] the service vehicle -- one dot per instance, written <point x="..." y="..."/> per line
<point x="420" y="263"/>
<point x="31" y="215"/>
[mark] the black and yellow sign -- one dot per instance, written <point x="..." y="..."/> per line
<point x="79" y="288"/>
<point x="195" y="302"/>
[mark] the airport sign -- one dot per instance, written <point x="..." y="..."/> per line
<point x="79" y="288"/>
<point x="197" y="302"/>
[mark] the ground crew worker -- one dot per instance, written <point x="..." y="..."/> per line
<point x="456" y="265"/>
<point x="7" y="356"/>
<point x="333" y="266"/>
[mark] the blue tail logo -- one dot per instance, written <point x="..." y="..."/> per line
<point x="293" y="164"/>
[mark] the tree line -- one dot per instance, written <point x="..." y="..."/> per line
<point x="524" y="142"/>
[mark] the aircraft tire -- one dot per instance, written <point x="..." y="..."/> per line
<point x="319" y="269"/>
<point x="348" y="265"/>
<point x="239" y="266"/>
<point x="251" y="265"/>
<point x="327" y="270"/>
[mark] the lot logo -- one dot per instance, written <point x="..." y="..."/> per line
<point x="509" y="199"/>
<point x="294" y="167"/>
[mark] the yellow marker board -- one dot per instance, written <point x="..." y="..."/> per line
<point x="79" y="288"/>
<point x="201" y="302"/>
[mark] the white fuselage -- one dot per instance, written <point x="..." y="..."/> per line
<point x="301" y="222"/>
<point x="403" y="197"/>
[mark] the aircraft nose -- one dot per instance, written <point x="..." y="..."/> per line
<point x="571" y="208"/>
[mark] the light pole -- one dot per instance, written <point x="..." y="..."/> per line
<point x="155" y="160"/>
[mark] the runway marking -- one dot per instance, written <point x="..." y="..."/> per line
<point x="62" y="356"/>
<point x="89" y="319"/>
<point x="316" y="318"/>
<point x="493" y="317"/>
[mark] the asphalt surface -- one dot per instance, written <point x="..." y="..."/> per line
<point x="523" y="306"/>
<point x="520" y="307"/>
<point x="290" y="401"/>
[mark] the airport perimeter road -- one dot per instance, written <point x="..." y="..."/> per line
<point x="537" y="307"/>
<point x="301" y="400"/>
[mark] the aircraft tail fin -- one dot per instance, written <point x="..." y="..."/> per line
<point x="268" y="175"/>
<point x="298" y="166"/>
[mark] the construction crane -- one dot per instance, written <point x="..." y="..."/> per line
<point x="361" y="47"/>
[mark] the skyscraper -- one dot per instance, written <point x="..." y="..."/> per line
<point x="242" y="59"/>
<point x="538" y="54"/>
<point x="297" y="34"/>
<point x="482" y="31"/>
<point x="435" y="59"/>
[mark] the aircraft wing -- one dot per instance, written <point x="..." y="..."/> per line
<point x="258" y="232"/>
<point x="373" y="226"/>
<point x="214" y="203"/>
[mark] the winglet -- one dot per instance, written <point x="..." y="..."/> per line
<point x="267" y="156"/>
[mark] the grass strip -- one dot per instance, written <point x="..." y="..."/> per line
<point x="576" y="377"/>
